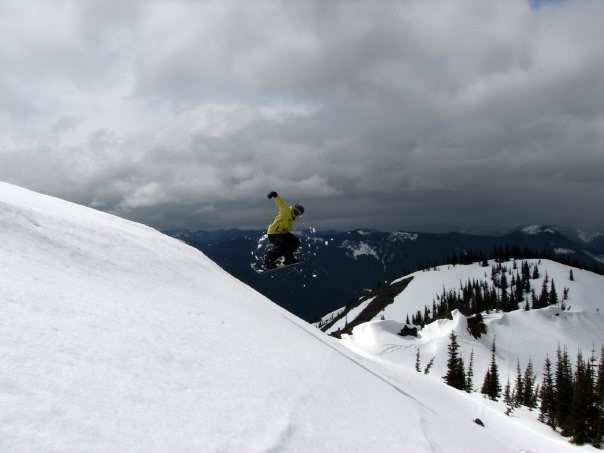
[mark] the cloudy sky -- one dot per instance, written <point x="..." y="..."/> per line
<point x="465" y="115"/>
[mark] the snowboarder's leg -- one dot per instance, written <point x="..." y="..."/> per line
<point x="292" y="243"/>
<point x="278" y="250"/>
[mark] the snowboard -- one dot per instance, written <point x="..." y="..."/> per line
<point x="260" y="269"/>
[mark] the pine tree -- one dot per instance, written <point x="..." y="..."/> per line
<point x="491" y="386"/>
<point x="600" y="381"/>
<point x="486" y="383"/>
<point x="507" y="394"/>
<point x="572" y="277"/>
<point x="470" y="375"/>
<point x="544" y="297"/>
<point x="535" y="272"/>
<point x="564" y="391"/>
<point x="407" y="320"/>
<point x="418" y="366"/>
<point x="593" y="414"/>
<point x="526" y="271"/>
<point x="548" y="396"/>
<point x="418" y="319"/>
<point x="508" y="398"/>
<point x="518" y="386"/>
<point x="505" y="300"/>
<point x="513" y="301"/>
<point x="455" y="376"/>
<point x="519" y="287"/>
<point x="462" y="374"/>
<point x="553" y="295"/>
<point x="580" y="402"/>
<point x="528" y="395"/>
<point x="599" y="429"/>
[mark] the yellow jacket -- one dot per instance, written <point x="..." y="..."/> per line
<point x="284" y="220"/>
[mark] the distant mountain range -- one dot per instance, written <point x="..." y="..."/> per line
<point x="341" y="265"/>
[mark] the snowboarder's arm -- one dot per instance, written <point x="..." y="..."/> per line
<point x="281" y="204"/>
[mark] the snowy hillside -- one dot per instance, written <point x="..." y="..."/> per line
<point x="114" y="337"/>
<point x="520" y="335"/>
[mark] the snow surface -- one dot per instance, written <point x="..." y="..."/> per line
<point x="114" y="337"/>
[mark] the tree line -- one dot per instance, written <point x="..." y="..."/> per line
<point x="508" y="252"/>
<point x="507" y="289"/>
<point x="570" y="398"/>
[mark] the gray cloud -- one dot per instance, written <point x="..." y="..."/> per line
<point x="416" y="114"/>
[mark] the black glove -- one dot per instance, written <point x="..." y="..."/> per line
<point x="273" y="194"/>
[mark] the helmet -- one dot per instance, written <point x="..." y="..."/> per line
<point x="298" y="209"/>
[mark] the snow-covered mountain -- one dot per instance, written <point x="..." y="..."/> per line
<point x="540" y="236"/>
<point x="520" y="335"/>
<point x="534" y="230"/>
<point x="115" y="337"/>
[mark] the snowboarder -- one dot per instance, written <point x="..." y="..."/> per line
<point x="284" y="242"/>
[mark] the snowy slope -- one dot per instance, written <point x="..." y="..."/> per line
<point x="519" y="335"/>
<point x="114" y="337"/>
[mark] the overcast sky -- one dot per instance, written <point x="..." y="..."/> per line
<point x="427" y="115"/>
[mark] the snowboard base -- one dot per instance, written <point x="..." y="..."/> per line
<point x="259" y="267"/>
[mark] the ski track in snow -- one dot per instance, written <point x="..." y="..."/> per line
<point x="393" y="347"/>
<point x="348" y="357"/>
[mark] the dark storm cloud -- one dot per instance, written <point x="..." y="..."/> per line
<point x="417" y="114"/>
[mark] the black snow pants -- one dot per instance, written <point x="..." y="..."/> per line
<point x="283" y="245"/>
